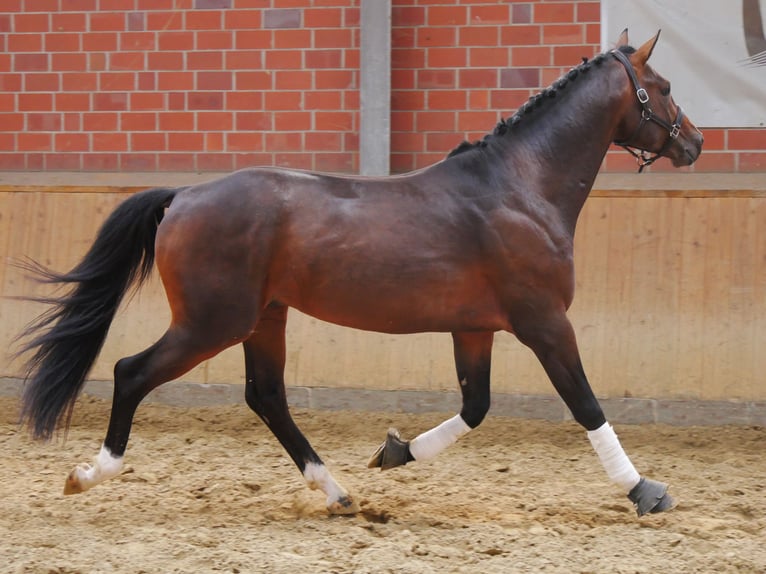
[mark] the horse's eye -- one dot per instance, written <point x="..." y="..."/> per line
<point x="666" y="90"/>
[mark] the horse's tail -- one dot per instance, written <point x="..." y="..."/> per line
<point x="68" y="337"/>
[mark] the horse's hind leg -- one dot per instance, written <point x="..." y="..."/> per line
<point x="553" y="341"/>
<point x="473" y="352"/>
<point x="265" y="394"/>
<point x="134" y="377"/>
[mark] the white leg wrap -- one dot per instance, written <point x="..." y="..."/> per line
<point x="317" y="476"/>
<point x="104" y="467"/>
<point x="616" y="463"/>
<point x="431" y="443"/>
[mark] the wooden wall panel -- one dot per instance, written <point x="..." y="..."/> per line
<point x="670" y="303"/>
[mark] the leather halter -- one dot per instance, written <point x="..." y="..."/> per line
<point x="647" y="114"/>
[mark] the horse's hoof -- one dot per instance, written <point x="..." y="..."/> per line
<point x="345" y="505"/>
<point x="651" y="497"/>
<point x="73" y="484"/>
<point x="393" y="452"/>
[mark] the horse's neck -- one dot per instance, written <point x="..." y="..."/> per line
<point x="567" y="141"/>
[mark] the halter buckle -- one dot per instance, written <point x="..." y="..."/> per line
<point x="674" y="131"/>
<point x="643" y="95"/>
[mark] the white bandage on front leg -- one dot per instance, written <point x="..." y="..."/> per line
<point x="431" y="443"/>
<point x="613" y="458"/>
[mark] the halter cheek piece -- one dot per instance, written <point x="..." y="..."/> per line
<point x="647" y="114"/>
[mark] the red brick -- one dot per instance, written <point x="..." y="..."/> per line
<point x="63" y="161"/>
<point x="147" y="101"/>
<point x="100" y="121"/>
<point x="324" y="100"/>
<point x="283" y="100"/>
<point x="752" y="161"/>
<point x="24" y="42"/>
<point x="408" y="58"/>
<point x="488" y="57"/>
<point x="254" y="80"/>
<point x="293" y="80"/>
<point x="408" y="99"/>
<point x="491" y="14"/>
<point x="214" y="121"/>
<point x="129" y="60"/>
<point x="11" y="122"/>
<point x="324" y="59"/>
<point x="528" y="56"/>
<point x="588" y="12"/>
<point x="204" y="60"/>
<point x="334" y="79"/>
<point x="429" y="36"/>
<point x="244" y="141"/>
<point x="100" y="162"/>
<point x="138" y="122"/>
<point x="479" y="36"/>
<point x="214" y="81"/>
<point x="554" y="12"/>
<point x="109" y="141"/>
<point x="79" y="82"/>
<point x="34" y="141"/>
<point x="520" y="35"/>
<point x="117" y="81"/>
<point x="447" y="15"/>
<point x="215" y="40"/>
<point x="280" y="141"/>
<point x="175" y="80"/>
<point x="204" y="20"/>
<point x="434" y="79"/>
<point x="41" y="82"/>
<point x="30" y="62"/>
<point x="78" y="5"/>
<point x="162" y="21"/>
<point x="137" y="161"/>
<point x="563" y="34"/>
<point x="214" y="161"/>
<point x="64" y="22"/>
<point x="716" y="162"/>
<point x="242" y="19"/>
<point x="99" y="41"/>
<point x="435" y="121"/>
<point x="323" y="18"/>
<point x="253" y="39"/>
<point x="106" y="21"/>
<point x="33" y="102"/>
<point x="408" y="141"/>
<point x="447" y="100"/>
<point x="332" y="38"/>
<point x="570" y="55"/>
<point x="441" y="142"/>
<point x="402" y="121"/>
<point x="254" y="121"/>
<point x="408" y="16"/>
<point x="478" y="78"/>
<point x="180" y="41"/>
<point x="164" y="60"/>
<point x="26" y="22"/>
<point x="115" y="101"/>
<point x="243" y="60"/>
<point x="67" y="142"/>
<point x="447" y="58"/>
<point x="67" y="42"/>
<point x="176" y="161"/>
<point x="476" y="121"/>
<point x="747" y="139"/>
<point x="73" y="102"/>
<point x="333" y="121"/>
<point x="151" y="141"/>
<point x="69" y="62"/>
<point x="205" y="101"/>
<point x="138" y="41"/>
<point x="325" y="141"/>
<point x="284" y="39"/>
<point x="292" y="121"/>
<point x="72" y="122"/>
<point x="244" y="100"/>
<point x="284" y="59"/>
<point x="11" y="82"/>
<point x="186" y="141"/>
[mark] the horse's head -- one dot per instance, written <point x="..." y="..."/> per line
<point x="653" y="123"/>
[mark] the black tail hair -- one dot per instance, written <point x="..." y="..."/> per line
<point x="68" y="337"/>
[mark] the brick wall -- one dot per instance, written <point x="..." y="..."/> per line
<point x="144" y="85"/>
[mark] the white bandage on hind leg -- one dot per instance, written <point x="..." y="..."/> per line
<point x="431" y="443"/>
<point x="616" y="463"/>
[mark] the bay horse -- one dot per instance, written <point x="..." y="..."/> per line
<point x="477" y="243"/>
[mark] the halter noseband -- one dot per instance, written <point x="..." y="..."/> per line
<point x="647" y="114"/>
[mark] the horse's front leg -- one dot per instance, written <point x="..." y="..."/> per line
<point x="552" y="339"/>
<point x="265" y="394"/>
<point x="473" y="353"/>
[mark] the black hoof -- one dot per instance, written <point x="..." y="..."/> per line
<point x="651" y="497"/>
<point x="393" y="452"/>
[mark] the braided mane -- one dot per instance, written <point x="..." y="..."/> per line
<point x="536" y="102"/>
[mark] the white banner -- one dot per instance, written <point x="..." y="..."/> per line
<point x="712" y="51"/>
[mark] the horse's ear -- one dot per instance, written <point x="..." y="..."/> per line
<point x="623" y="39"/>
<point x="643" y="53"/>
